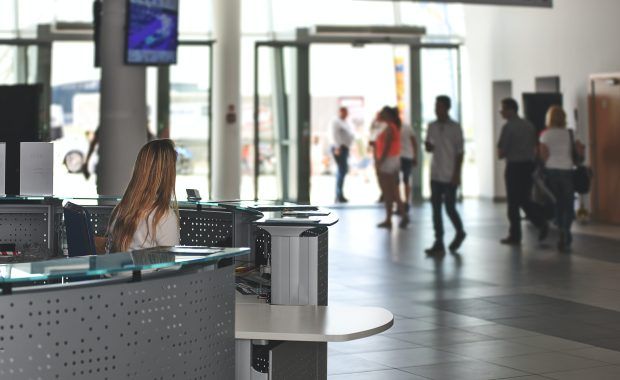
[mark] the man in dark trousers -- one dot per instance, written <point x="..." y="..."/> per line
<point x="444" y="139"/>
<point x="517" y="145"/>
<point x="342" y="138"/>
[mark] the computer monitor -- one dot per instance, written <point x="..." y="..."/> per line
<point x="152" y="32"/>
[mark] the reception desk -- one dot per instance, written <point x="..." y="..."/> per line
<point x="178" y="321"/>
<point x="161" y="314"/>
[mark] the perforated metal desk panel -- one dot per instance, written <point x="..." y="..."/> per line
<point x="34" y="224"/>
<point x="30" y="223"/>
<point x="175" y="323"/>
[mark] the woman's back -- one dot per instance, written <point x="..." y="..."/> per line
<point x="167" y="232"/>
<point x="147" y="215"/>
<point x="558" y="142"/>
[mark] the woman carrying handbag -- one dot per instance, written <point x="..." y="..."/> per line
<point x="560" y="153"/>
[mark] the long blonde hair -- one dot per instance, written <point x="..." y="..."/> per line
<point x="151" y="190"/>
<point x="556" y="117"/>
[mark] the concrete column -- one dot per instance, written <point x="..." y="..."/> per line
<point x="227" y="100"/>
<point x="123" y="119"/>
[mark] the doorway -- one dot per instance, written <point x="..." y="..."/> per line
<point x="290" y="146"/>
<point x="603" y="149"/>
<point x="501" y="90"/>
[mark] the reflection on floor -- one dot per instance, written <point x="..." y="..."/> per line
<point x="489" y="312"/>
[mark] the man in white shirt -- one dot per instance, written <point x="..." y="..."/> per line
<point x="342" y="138"/>
<point x="444" y="139"/>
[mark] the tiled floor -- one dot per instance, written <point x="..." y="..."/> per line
<point x="488" y="312"/>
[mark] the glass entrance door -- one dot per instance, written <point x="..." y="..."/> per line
<point x="189" y="116"/>
<point x="281" y="123"/>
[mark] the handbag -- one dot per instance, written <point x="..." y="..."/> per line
<point x="541" y="195"/>
<point x="581" y="173"/>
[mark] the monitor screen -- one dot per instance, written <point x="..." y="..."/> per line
<point x="152" y="32"/>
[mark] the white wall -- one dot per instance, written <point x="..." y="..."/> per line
<point x="573" y="40"/>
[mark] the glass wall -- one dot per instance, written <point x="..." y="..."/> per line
<point x="189" y="117"/>
<point x="74" y="117"/>
<point x="261" y="20"/>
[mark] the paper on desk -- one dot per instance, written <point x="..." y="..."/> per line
<point x="36" y="168"/>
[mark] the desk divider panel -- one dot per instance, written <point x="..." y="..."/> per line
<point x="30" y="227"/>
<point x="198" y="227"/>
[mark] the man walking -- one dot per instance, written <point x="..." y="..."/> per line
<point x="444" y="139"/>
<point x="517" y="145"/>
<point x="342" y="138"/>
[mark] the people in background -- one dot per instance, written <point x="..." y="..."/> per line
<point x="444" y="139"/>
<point x="387" y="162"/>
<point x="408" y="160"/>
<point x="376" y="127"/>
<point x="517" y="145"/>
<point x="147" y="215"/>
<point x="559" y="150"/>
<point x="342" y="138"/>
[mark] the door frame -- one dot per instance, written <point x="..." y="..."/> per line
<point x="302" y="44"/>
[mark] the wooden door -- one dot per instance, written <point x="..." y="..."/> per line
<point x="605" y="148"/>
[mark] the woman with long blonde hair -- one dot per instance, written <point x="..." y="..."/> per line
<point x="559" y="150"/>
<point x="147" y="215"/>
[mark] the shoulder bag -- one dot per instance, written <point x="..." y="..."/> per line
<point x="581" y="174"/>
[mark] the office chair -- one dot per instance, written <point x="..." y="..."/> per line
<point x="80" y="235"/>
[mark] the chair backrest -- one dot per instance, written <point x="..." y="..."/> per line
<point x="80" y="236"/>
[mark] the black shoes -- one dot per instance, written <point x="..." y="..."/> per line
<point x="458" y="240"/>
<point x="543" y="232"/>
<point x="436" y="250"/>
<point x="387" y="225"/>
<point x="404" y="222"/>
<point x="510" y="241"/>
<point x="341" y="200"/>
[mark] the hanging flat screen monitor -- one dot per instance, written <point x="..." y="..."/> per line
<point x="152" y="32"/>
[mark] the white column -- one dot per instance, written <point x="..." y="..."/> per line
<point x="226" y="97"/>
<point x="123" y="119"/>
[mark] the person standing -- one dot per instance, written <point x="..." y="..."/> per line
<point x="560" y="151"/>
<point x="408" y="160"/>
<point x="444" y="139"/>
<point x="517" y="145"/>
<point x="376" y="128"/>
<point x="342" y="138"/>
<point x="387" y="162"/>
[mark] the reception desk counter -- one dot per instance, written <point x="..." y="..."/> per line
<point x="161" y="314"/>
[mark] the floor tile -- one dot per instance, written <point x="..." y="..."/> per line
<point x="373" y="343"/>
<point x="597" y="353"/>
<point x="500" y="331"/>
<point x="465" y="371"/>
<point x="455" y="320"/>
<point x="549" y="342"/>
<point x="600" y="373"/>
<point x="409" y="325"/>
<point x="392" y="374"/>
<point x="350" y="364"/>
<point x="491" y="349"/>
<point x="440" y="337"/>
<point x="411" y="357"/>
<point x="546" y="362"/>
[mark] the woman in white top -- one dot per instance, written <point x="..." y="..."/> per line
<point x="148" y="214"/>
<point x="556" y="150"/>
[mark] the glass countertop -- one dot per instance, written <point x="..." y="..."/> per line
<point x="84" y="266"/>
